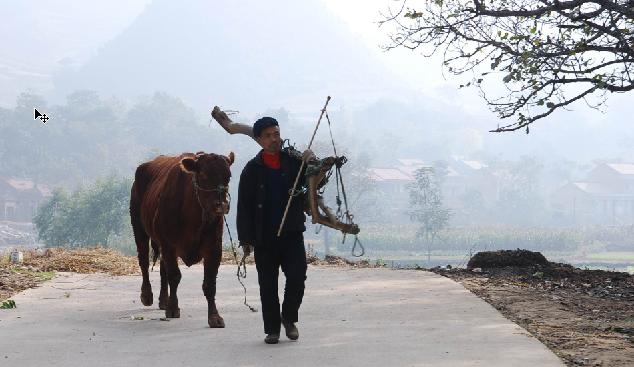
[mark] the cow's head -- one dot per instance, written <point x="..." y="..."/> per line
<point x="211" y="177"/>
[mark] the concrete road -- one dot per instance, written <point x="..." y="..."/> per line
<point x="363" y="317"/>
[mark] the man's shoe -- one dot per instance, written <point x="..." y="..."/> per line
<point x="272" y="338"/>
<point x="291" y="330"/>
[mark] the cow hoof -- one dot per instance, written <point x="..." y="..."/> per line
<point x="173" y="313"/>
<point x="162" y="304"/>
<point x="215" y="321"/>
<point x="147" y="298"/>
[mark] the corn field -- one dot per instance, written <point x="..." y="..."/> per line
<point x="403" y="238"/>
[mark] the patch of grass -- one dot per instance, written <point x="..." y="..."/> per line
<point x="39" y="275"/>
<point x="44" y="275"/>
<point x="8" y="304"/>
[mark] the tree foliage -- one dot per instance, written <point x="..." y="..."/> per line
<point x="426" y="205"/>
<point x="521" y="199"/>
<point x="548" y="53"/>
<point x="89" y="136"/>
<point x="87" y="217"/>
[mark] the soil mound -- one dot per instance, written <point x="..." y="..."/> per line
<point x="505" y="258"/>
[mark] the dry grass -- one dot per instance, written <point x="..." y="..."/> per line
<point x="41" y="265"/>
<point x="84" y="260"/>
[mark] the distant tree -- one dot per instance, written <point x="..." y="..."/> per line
<point x="166" y="122"/>
<point x="87" y="217"/>
<point x="89" y="137"/>
<point x="426" y="207"/>
<point x="50" y="221"/>
<point x="548" y="53"/>
<point x="520" y="201"/>
<point x="441" y="170"/>
<point x="365" y="200"/>
<point x="473" y="206"/>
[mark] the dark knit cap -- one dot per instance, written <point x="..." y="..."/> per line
<point x="263" y="123"/>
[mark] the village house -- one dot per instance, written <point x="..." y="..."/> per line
<point x="20" y="199"/>
<point x="460" y="177"/>
<point x="606" y="196"/>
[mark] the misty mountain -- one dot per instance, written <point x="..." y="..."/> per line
<point x="248" y="55"/>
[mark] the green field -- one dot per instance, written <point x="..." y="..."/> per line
<point x="612" y="256"/>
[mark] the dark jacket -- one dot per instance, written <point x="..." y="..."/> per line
<point x="252" y="191"/>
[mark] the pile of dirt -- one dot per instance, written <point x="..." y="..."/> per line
<point x="585" y="316"/>
<point x="504" y="258"/>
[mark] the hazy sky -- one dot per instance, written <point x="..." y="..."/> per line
<point x="48" y="34"/>
<point x="362" y="16"/>
<point x="39" y="37"/>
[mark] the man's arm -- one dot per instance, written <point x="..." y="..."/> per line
<point x="245" y="216"/>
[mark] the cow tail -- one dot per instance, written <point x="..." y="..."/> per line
<point x="140" y="235"/>
<point x="156" y="253"/>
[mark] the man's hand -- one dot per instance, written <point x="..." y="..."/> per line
<point x="308" y="156"/>
<point x="246" y="249"/>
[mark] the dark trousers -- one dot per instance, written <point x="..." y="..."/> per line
<point x="288" y="252"/>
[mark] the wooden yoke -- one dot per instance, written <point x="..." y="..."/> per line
<point x="314" y="180"/>
<point x="316" y="201"/>
<point x="231" y="127"/>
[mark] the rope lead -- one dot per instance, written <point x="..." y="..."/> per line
<point x="241" y="273"/>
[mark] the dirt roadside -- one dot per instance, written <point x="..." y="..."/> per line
<point x="585" y="316"/>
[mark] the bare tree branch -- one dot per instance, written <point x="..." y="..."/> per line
<point x="548" y="53"/>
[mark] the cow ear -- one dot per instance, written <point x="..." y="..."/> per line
<point x="189" y="165"/>
<point x="231" y="158"/>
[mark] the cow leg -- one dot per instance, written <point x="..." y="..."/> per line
<point x="147" y="298"/>
<point x="173" y="278"/>
<point x="142" y="247"/>
<point x="164" y="294"/>
<point x="211" y="264"/>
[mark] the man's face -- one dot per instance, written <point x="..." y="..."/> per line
<point x="270" y="139"/>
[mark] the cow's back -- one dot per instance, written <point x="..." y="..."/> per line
<point x="158" y="183"/>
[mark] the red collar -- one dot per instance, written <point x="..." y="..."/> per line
<point x="271" y="160"/>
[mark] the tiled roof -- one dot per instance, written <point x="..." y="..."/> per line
<point x="622" y="168"/>
<point x="411" y="162"/>
<point x="409" y="170"/>
<point x="20" y="184"/>
<point x="389" y="174"/>
<point x="595" y="188"/>
<point x="23" y="185"/>
<point x="474" y="164"/>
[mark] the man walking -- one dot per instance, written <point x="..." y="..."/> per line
<point x="262" y="196"/>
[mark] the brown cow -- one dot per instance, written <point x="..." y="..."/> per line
<point x="179" y="203"/>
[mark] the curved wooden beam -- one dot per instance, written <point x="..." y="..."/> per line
<point x="231" y="127"/>
<point x="316" y="202"/>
